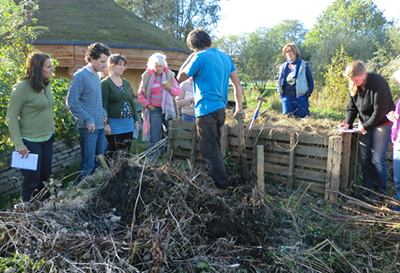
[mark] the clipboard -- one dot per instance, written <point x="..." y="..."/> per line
<point x="29" y="163"/>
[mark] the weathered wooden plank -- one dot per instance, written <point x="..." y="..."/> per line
<point x="178" y="124"/>
<point x="315" y="187"/>
<point x="185" y="153"/>
<point x="281" y="135"/>
<point x="300" y="149"/>
<point x="276" y="169"/>
<point x="353" y="159"/>
<point x="345" y="162"/>
<point x="260" y="169"/>
<point x="184" y="135"/>
<point x="310" y="175"/>
<point x="333" y="168"/>
<point x="298" y="161"/>
<point x="291" y="161"/>
<point x="298" y="173"/>
<point x="179" y="143"/>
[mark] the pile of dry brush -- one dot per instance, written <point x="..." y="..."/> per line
<point x="133" y="218"/>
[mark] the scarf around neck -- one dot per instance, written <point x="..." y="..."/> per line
<point x="167" y="104"/>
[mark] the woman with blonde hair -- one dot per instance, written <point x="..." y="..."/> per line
<point x="30" y="121"/>
<point x="370" y="99"/>
<point x="295" y="83"/>
<point x="157" y="92"/>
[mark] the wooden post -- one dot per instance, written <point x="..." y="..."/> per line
<point x="345" y="168"/>
<point x="242" y="148"/>
<point x="353" y="160"/>
<point x="291" y="161"/>
<point x="193" y="148"/>
<point x="333" y="168"/>
<point x="260" y="169"/>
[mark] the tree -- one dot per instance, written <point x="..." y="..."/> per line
<point x="177" y="17"/>
<point x="336" y="87"/>
<point x="287" y="31"/>
<point x="233" y="46"/>
<point x="358" y="25"/>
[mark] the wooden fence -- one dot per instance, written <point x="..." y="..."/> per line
<point x="324" y="164"/>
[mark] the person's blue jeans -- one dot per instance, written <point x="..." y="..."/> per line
<point x="396" y="172"/>
<point x="373" y="147"/>
<point x="33" y="180"/>
<point x="158" y="125"/>
<point x="91" y="144"/>
<point x="188" y="118"/>
<point x="295" y="106"/>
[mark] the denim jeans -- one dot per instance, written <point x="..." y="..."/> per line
<point x="396" y="172"/>
<point x="295" y="106"/>
<point x="209" y="136"/>
<point x="33" y="180"/>
<point x="373" y="147"/>
<point x="188" y="118"/>
<point x="91" y="144"/>
<point x="158" y="126"/>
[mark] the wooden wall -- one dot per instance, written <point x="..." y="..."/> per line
<point x="72" y="57"/>
<point x="324" y="164"/>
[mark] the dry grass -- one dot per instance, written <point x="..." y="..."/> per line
<point x="133" y="218"/>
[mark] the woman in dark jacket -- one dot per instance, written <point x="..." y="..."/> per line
<point x="295" y="83"/>
<point x="118" y="101"/>
<point x="371" y="99"/>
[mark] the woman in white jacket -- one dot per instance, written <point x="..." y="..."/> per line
<point x="186" y="100"/>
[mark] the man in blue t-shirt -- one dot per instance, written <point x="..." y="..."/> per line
<point x="211" y="70"/>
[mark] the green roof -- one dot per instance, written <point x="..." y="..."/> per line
<point x="105" y="21"/>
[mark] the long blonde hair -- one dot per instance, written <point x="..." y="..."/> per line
<point x="354" y="69"/>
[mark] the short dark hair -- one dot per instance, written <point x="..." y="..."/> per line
<point x="94" y="51"/>
<point x="198" y="39"/>
<point x="34" y="72"/>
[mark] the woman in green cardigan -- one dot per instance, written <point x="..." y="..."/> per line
<point x="119" y="103"/>
<point x="30" y="122"/>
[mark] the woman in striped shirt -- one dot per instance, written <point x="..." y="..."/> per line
<point x="157" y="92"/>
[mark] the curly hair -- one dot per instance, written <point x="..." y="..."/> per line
<point x="95" y="50"/>
<point x="198" y="39"/>
<point x="34" y="72"/>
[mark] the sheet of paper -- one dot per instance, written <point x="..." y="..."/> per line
<point x="347" y="131"/>
<point x="29" y="163"/>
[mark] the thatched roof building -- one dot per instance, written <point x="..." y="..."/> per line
<point x="74" y="24"/>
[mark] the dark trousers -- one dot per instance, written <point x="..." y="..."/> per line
<point x="33" y="180"/>
<point x="209" y="136"/>
<point x="119" y="144"/>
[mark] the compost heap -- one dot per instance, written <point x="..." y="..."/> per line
<point x="161" y="219"/>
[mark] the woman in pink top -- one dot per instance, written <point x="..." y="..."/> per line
<point x="157" y="92"/>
